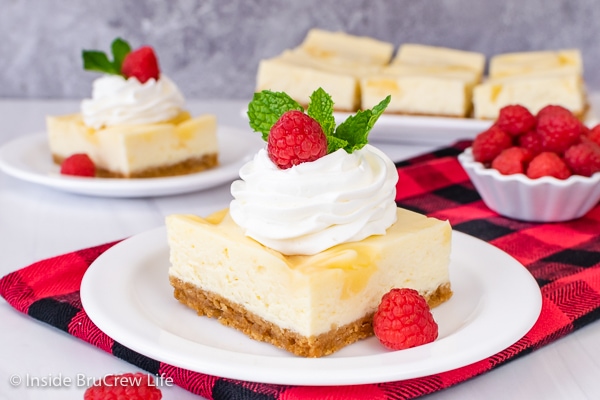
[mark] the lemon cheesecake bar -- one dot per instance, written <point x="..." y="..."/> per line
<point x="421" y="55"/>
<point x="326" y="45"/>
<point x="135" y="124"/>
<point x="426" y="80"/>
<point x="334" y="61"/>
<point x="534" y="80"/>
<point x="178" y="146"/>
<point x="310" y="305"/>
<point x="312" y="239"/>
<point x="300" y="79"/>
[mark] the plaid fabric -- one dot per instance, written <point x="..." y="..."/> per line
<point x="564" y="258"/>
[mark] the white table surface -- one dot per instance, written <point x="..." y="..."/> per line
<point x="38" y="222"/>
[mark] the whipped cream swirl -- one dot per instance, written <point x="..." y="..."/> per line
<point x="116" y="100"/>
<point x="316" y="205"/>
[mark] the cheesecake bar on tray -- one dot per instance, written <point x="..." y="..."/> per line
<point x="532" y="79"/>
<point x="135" y="125"/>
<point x="312" y="239"/>
<point x="426" y="80"/>
<point x="334" y="61"/>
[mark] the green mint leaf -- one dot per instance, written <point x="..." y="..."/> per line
<point x="334" y="143"/>
<point x="377" y="111"/>
<point x="320" y="109"/>
<point x="98" y="61"/>
<point x="267" y="107"/>
<point x="120" y="48"/>
<point x="356" y="128"/>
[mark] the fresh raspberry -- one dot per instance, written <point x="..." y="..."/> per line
<point x="531" y="141"/>
<point x="513" y="160"/>
<point x="488" y="144"/>
<point x="296" y="138"/>
<point x="142" y="64"/>
<point x="559" y="131"/>
<point x="552" y="109"/>
<point x="594" y="134"/>
<point x="79" y="165"/>
<point x="548" y="164"/>
<point x="515" y="120"/>
<point x="583" y="158"/>
<point x="130" y="386"/>
<point x="404" y="320"/>
<point x="585" y="130"/>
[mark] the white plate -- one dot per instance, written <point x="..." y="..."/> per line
<point x="28" y="158"/>
<point x="127" y="295"/>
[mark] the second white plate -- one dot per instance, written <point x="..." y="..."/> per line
<point x="126" y="293"/>
<point x="28" y="158"/>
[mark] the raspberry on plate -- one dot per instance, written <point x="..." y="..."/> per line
<point x="79" y="165"/>
<point x="404" y="320"/>
<point x="513" y="160"/>
<point x="515" y="119"/>
<point x="548" y="164"/>
<point x="488" y="144"/>
<point x="142" y="64"/>
<point x="296" y="138"/>
<point x="130" y="386"/>
<point x="583" y="158"/>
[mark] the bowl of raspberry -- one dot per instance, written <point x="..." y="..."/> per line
<point x="539" y="168"/>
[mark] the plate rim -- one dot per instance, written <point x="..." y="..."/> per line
<point x="132" y="188"/>
<point x="307" y="371"/>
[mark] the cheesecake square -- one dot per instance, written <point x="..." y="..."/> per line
<point x="534" y="80"/>
<point x="179" y="146"/>
<point x="426" y="80"/>
<point x="309" y="305"/>
<point x="300" y="80"/>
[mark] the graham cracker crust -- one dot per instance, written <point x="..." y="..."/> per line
<point x="185" y="167"/>
<point x="236" y="316"/>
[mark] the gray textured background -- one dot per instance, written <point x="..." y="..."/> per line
<point x="211" y="48"/>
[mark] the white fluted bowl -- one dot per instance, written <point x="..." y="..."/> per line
<point x="545" y="199"/>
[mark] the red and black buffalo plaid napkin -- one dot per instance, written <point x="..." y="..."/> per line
<point x="563" y="257"/>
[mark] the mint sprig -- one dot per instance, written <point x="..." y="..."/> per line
<point x="267" y="107"/>
<point x="320" y="108"/>
<point x="94" y="60"/>
<point x="356" y="128"/>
